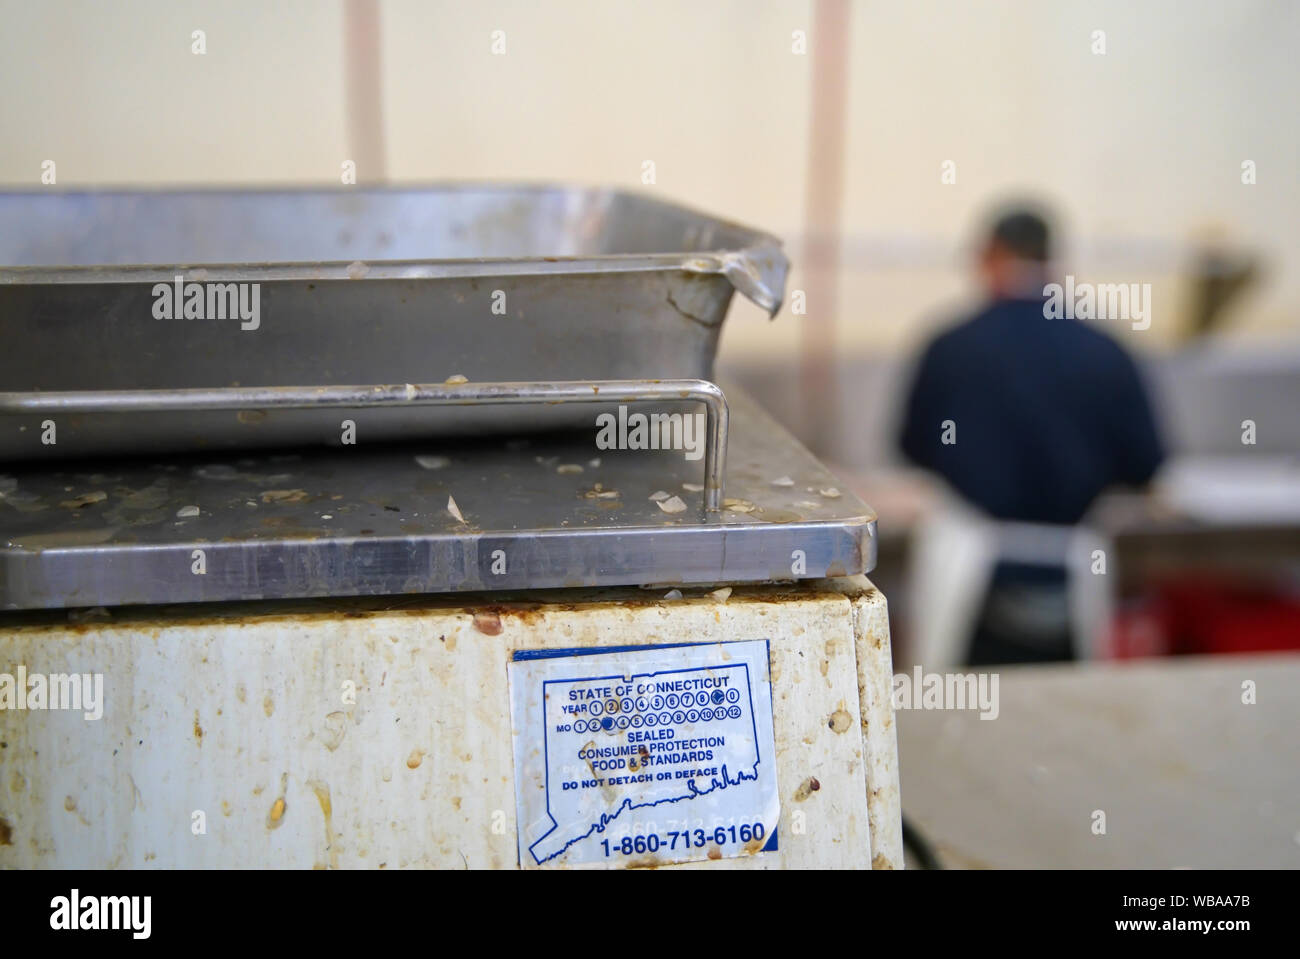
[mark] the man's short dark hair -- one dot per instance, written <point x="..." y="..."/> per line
<point x="1024" y="233"/>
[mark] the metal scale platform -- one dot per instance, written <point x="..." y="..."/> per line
<point x="339" y="654"/>
<point x="536" y="512"/>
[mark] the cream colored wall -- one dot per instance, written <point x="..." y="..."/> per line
<point x="1143" y="143"/>
<point x="1139" y="148"/>
<point x="112" y="93"/>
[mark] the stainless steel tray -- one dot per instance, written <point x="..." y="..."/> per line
<point x="493" y="283"/>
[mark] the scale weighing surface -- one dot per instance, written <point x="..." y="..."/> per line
<point x="541" y="511"/>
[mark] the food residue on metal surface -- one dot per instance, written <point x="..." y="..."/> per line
<point x="187" y="511"/>
<point x="456" y="379"/>
<point x="840" y="721"/>
<point x="413" y="761"/>
<point x="488" y="622"/>
<point x="284" y="495"/>
<point x="95" y="614"/>
<point x="672" y="504"/>
<point x="85" y="499"/>
<point x="454" y="510"/>
<point x="432" y="462"/>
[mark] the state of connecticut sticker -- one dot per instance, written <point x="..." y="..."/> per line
<point x="645" y="755"/>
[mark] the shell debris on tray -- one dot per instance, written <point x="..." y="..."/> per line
<point x="284" y="495"/>
<point x="85" y="499"/>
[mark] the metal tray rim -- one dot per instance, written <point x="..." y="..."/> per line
<point x="757" y="268"/>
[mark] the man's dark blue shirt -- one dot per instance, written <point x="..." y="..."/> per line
<point x="1047" y="413"/>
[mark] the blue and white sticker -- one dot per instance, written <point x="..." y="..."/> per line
<point x="645" y="755"/>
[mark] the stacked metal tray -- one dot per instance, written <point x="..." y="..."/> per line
<point x="162" y="338"/>
<point x="244" y="291"/>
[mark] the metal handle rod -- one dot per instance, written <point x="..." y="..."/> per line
<point x="407" y="394"/>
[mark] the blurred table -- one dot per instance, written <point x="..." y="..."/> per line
<point x="1231" y="516"/>
<point x="1187" y="775"/>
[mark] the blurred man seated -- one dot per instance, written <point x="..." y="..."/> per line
<point x="1028" y="419"/>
